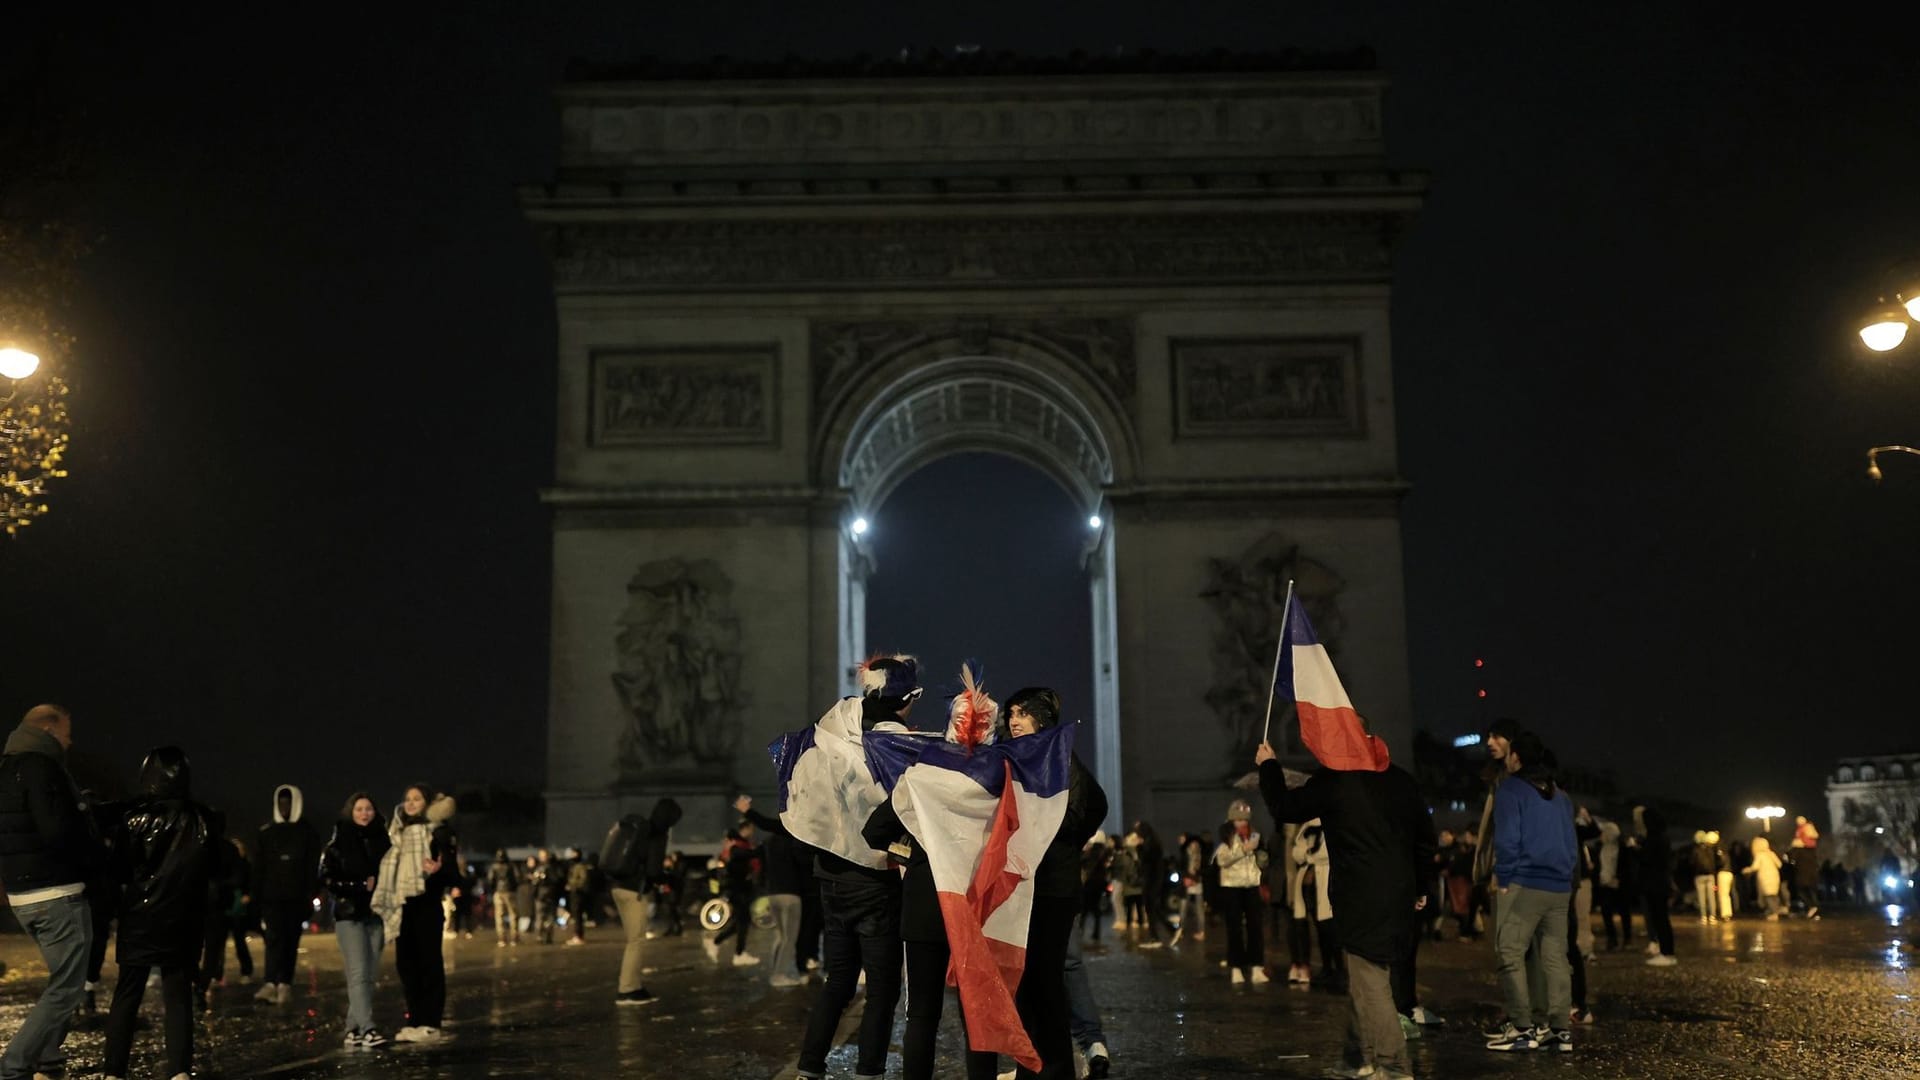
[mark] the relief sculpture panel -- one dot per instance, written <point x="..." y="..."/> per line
<point x="684" y="395"/>
<point x="1267" y="388"/>
<point x="679" y="670"/>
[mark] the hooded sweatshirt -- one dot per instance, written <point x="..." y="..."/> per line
<point x="1533" y="839"/>
<point x="288" y="866"/>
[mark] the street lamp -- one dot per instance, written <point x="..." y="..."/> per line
<point x="1873" y="465"/>
<point x="17" y="363"/>
<point x="1765" y="815"/>
<point x="1884" y="326"/>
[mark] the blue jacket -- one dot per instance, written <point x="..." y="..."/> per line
<point x="1533" y="841"/>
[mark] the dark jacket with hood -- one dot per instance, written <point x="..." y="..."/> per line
<point x="287" y="860"/>
<point x="47" y="838"/>
<point x="350" y="859"/>
<point x="164" y="849"/>
<point x="1654" y="872"/>
<point x="1380" y="839"/>
<point x="786" y="862"/>
<point x="654" y="830"/>
<point x="1058" y="875"/>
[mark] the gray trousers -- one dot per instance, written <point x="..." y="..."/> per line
<point x="633" y="920"/>
<point x="1532" y="942"/>
<point x="1583" y="917"/>
<point x="786" y="933"/>
<point x="1373" y="1028"/>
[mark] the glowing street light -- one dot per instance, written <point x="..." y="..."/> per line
<point x="1884" y="328"/>
<point x="1093" y="522"/>
<point x="16" y="363"/>
<point x="1765" y="815"/>
<point x="860" y="526"/>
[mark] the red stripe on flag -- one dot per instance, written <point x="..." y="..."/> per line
<point x="992" y="881"/>
<point x="979" y="970"/>
<point x="1335" y="738"/>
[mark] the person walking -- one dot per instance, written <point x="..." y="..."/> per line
<point x="286" y="876"/>
<point x="415" y="870"/>
<point x="632" y="856"/>
<point x="579" y="898"/>
<point x="1536" y="862"/>
<point x="1241" y="856"/>
<point x="164" y="851"/>
<point x="350" y="868"/>
<point x="739" y="865"/>
<point x="503" y="881"/>
<point x="48" y="850"/>
<point x="1193" y="854"/>
<point x="1126" y="879"/>
<point x="1765" y="869"/>
<point x="549" y="881"/>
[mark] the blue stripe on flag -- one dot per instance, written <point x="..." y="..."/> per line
<point x="785" y="750"/>
<point x="1042" y="762"/>
<point x="1299" y="632"/>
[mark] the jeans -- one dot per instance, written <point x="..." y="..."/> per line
<point x="1536" y="920"/>
<point x="417" y="957"/>
<point x="63" y="929"/>
<point x="1373" y="1028"/>
<point x="926" y="998"/>
<point x="176" y="993"/>
<point x="360" y="944"/>
<point x="1083" y="1011"/>
<point x="1703" y="896"/>
<point x="786" y="934"/>
<point x="862" y="934"/>
<point x="280" y="923"/>
<point x="506" y="917"/>
<point x="633" y="921"/>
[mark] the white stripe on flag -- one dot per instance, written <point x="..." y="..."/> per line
<point x="1314" y="679"/>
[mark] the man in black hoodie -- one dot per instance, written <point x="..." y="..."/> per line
<point x="47" y="848"/>
<point x="633" y="855"/>
<point x="286" y="877"/>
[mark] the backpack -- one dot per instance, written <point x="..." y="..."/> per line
<point x="625" y="855"/>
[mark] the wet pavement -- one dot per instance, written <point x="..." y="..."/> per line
<point x="1749" y="999"/>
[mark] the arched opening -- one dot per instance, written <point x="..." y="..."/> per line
<point x="982" y="556"/>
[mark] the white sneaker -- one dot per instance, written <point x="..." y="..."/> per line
<point x="745" y="959"/>
<point x="712" y="947"/>
<point x="1658" y="960"/>
<point x="352" y="1041"/>
<point x="429" y="1035"/>
<point x="406" y="1034"/>
<point x="1653" y="948"/>
<point x="265" y="993"/>
<point x="1259" y="977"/>
<point x="1239" y="977"/>
<point x="282" y="993"/>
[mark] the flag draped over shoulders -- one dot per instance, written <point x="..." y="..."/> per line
<point x="984" y="820"/>
<point x="826" y="789"/>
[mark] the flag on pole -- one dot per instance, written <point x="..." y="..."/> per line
<point x="1329" y="726"/>
<point x="984" y="819"/>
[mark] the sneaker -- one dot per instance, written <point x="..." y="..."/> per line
<point x="635" y="997"/>
<point x="1099" y="1063"/>
<point x="1813" y="912"/>
<point x="1426" y="1017"/>
<point x="282" y="993"/>
<point x="576" y="941"/>
<point x="1300" y="975"/>
<point x="266" y="993"/>
<point x="784" y="981"/>
<point x="406" y="1034"/>
<point x="429" y="1035"/>
<point x="1239" y="977"/>
<point x="371" y="1038"/>
<point x="1259" y="977"/>
<point x="246" y="978"/>
<point x="1348" y="1072"/>
<point x="1581" y="1016"/>
<point x="499" y="944"/>
<point x="1662" y="960"/>
<point x="1010" y="1074"/>
<point x="650" y="935"/>
<point x="745" y="959"/>
<point x="352" y="1041"/>
<point x="1408" y="1029"/>
<point x="1653" y="948"/>
<point x="712" y="947"/>
<point x="1513" y="1038"/>
<point x="1154" y="944"/>
<point x="1559" y="1040"/>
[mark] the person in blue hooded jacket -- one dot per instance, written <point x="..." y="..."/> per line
<point x="1536" y="859"/>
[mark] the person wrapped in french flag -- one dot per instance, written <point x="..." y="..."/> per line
<point x="1329" y="726"/>
<point x="984" y="813"/>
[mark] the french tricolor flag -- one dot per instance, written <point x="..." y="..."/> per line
<point x="984" y="819"/>
<point x="1329" y="726"/>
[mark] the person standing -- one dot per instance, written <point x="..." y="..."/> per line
<point x="1806" y="877"/>
<point x="1311" y="907"/>
<point x="1765" y="869"/>
<point x="164" y="852"/>
<point x="739" y="863"/>
<point x="632" y="856"/>
<point x="286" y="873"/>
<point x="226" y="880"/>
<point x="1153" y="886"/>
<point x="1193" y="855"/>
<point x="1241" y="856"/>
<point x="1654" y="871"/>
<point x="502" y="882"/>
<point x="549" y="880"/>
<point x="1536" y="862"/>
<point x="787" y="866"/>
<point x="350" y="868"/>
<point x="1499" y="738"/>
<point x="1703" y="862"/>
<point x="48" y="850"/>
<point x="416" y="869"/>
<point x="1609" y="893"/>
<point x="579" y="893"/>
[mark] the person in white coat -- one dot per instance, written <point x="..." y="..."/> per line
<point x="1307" y="892"/>
<point x="1241" y="857"/>
<point x="1766" y="874"/>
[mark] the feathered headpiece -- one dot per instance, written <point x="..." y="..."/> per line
<point x="972" y="714"/>
<point x="891" y="678"/>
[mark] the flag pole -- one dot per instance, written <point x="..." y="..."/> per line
<point x="1279" y="650"/>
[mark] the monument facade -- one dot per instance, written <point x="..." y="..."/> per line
<point x="780" y="293"/>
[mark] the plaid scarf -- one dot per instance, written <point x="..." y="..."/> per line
<point x="402" y="875"/>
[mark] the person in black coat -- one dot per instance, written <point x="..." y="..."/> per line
<point x="1379" y="840"/>
<point x="1653" y="865"/>
<point x="285" y="878"/>
<point x="349" y="868"/>
<point x="165" y="849"/>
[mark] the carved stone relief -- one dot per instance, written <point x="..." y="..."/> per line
<point x="684" y="395"/>
<point x="1266" y="388"/>
<point x="841" y="350"/>
<point x="679" y="669"/>
<point x="1247" y="594"/>
<point x="674" y="255"/>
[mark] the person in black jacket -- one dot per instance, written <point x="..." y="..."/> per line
<point x="415" y="872"/>
<point x="48" y="848"/>
<point x="1652" y="866"/>
<point x="634" y="857"/>
<point x="1042" y="997"/>
<point x="226" y="881"/>
<point x="165" y="848"/>
<point x="502" y="882"/>
<point x="787" y="865"/>
<point x="1379" y="837"/>
<point x="349" y="868"/>
<point x="286" y="872"/>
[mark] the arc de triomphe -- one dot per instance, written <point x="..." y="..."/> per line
<point x="778" y="297"/>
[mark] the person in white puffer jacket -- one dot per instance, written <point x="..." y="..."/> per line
<point x="1241" y="857"/>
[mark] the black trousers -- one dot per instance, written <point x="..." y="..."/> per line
<point x="176" y="993"/>
<point x="280" y="924"/>
<point x="1403" y="971"/>
<point x="926" y="999"/>
<point x="862" y="934"/>
<point x="1613" y="903"/>
<point x="102" y="908"/>
<point x="577" y="904"/>
<point x="741" y="900"/>
<point x="418" y="959"/>
<point x="1659" y="925"/>
<point x="1246" y="942"/>
<point x="1042" y="998"/>
<point x="811" y="923"/>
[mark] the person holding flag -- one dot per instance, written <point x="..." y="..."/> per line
<point x="1379" y="836"/>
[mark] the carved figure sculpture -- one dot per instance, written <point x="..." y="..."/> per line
<point x="679" y="673"/>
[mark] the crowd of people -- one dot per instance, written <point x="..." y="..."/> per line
<point x="1355" y="879"/>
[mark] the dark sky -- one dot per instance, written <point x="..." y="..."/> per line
<point x="313" y="394"/>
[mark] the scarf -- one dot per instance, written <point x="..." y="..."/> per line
<point x="402" y="876"/>
<point x="27" y="739"/>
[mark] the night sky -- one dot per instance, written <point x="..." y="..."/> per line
<point x="313" y="393"/>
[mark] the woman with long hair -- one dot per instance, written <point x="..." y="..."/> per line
<point x="350" y="868"/>
<point x="419" y="866"/>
